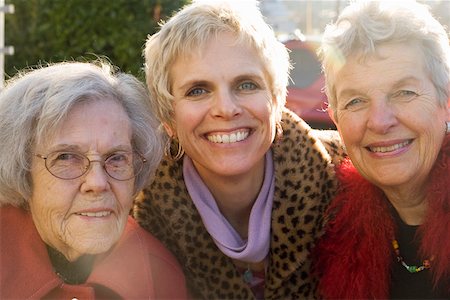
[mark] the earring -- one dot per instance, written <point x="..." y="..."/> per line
<point x="169" y="147"/>
<point x="447" y="129"/>
<point x="278" y="132"/>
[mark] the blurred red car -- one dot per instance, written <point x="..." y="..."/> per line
<point x="305" y="96"/>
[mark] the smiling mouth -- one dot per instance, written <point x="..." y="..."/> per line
<point x="98" y="214"/>
<point x="228" y="138"/>
<point x="384" y="149"/>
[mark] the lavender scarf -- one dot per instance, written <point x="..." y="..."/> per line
<point x="256" y="247"/>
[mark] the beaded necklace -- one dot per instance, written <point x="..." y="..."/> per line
<point x="412" y="269"/>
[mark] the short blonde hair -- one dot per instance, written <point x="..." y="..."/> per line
<point x="35" y="102"/>
<point x="190" y="30"/>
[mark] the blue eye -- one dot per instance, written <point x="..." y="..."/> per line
<point x="408" y="93"/>
<point x="65" y="159"/>
<point x="247" y="86"/>
<point x="404" y="95"/>
<point x="120" y="158"/>
<point x="66" y="156"/>
<point x="353" y="103"/>
<point x="196" y="92"/>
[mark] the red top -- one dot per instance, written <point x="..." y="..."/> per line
<point x="137" y="267"/>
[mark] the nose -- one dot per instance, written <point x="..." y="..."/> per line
<point x="96" y="178"/>
<point x="381" y="116"/>
<point x="225" y="105"/>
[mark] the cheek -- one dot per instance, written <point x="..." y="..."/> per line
<point x="50" y="206"/>
<point x="349" y="127"/>
<point x="187" y="117"/>
<point x="48" y="193"/>
<point x="124" y="195"/>
<point x="263" y="108"/>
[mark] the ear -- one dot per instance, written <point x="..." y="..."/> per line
<point x="448" y="104"/>
<point x="448" y="110"/>
<point x="330" y="112"/>
<point x="168" y="129"/>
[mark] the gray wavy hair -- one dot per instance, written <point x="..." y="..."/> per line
<point x="35" y="102"/>
<point x="364" y="25"/>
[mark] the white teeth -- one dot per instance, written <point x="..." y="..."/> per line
<point x="389" y="148"/>
<point x="96" y="214"/>
<point x="228" y="138"/>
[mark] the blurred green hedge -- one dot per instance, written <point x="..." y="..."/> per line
<point x="45" y="31"/>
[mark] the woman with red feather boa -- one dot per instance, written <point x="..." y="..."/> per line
<point x="387" y="67"/>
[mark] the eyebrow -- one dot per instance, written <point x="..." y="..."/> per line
<point x="252" y="76"/>
<point x="397" y="84"/>
<point x="348" y="92"/>
<point x="406" y="80"/>
<point x="77" y="148"/>
<point x="191" y="83"/>
<point x="257" y="76"/>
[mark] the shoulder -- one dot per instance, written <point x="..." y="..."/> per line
<point x="151" y="244"/>
<point x="305" y="184"/>
<point x="16" y="228"/>
<point x="164" y="270"/>
<point x="13" y="220"/>
<point x="8" y="213"/>
<point x="328" y="142"/>
<point x="22" y="252"/>
<point x="332" y="143"/>
<point x="167" y="183"/>
<point x="164" y="206"/>
<point x="299" y="145"/>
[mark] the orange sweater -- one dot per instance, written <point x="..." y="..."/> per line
<point x="138" y="267"/>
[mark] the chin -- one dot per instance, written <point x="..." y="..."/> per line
<point x="97" y="243"/>
<point x="98" y="246"/>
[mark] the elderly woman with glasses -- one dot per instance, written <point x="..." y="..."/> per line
<point x="78" y="140"/>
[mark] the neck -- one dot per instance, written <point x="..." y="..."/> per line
<point x="72" y="272"/>
<point x="235" y="196"/>
<point x="411" y="206"/>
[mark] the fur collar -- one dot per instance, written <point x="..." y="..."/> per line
<point x="355" y="257"/>
<point x="304" y="185"/>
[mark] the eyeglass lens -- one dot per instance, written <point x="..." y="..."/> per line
<point x="71" y="165"/>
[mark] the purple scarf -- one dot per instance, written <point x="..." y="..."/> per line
<point x="256" y="247"/>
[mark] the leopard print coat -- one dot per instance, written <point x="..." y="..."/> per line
<point x="304" y="182"/>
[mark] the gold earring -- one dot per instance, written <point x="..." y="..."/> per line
<point x="278" y="132"/>
<point x="169" y="147"/>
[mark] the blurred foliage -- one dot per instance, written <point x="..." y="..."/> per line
<point x="45" y="31"/>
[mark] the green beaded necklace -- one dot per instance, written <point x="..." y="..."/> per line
<point x="412" y="269"/>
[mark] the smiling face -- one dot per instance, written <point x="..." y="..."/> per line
<point x="223" y="112"/>
<point x="85" y="215"/>
<point x="389" y="117"/>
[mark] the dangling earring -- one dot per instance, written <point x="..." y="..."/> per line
<point x="169" y="147"/>
<point x="447" y="129"/>
<point x="278" y="132"/>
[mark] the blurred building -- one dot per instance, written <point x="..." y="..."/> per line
<point x="311" y="16"/>
<point x="305" y="16"/>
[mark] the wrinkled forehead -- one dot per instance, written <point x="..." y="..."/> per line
<point x="49" y="127"/>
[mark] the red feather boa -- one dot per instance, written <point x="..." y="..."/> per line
<point x="355" y="256"/>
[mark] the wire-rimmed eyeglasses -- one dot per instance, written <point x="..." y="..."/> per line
<point x="121" y="165"/>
